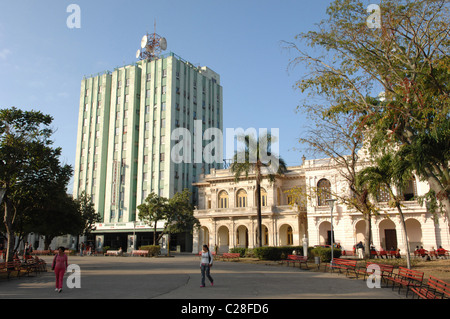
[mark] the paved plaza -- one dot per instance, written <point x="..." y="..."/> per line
<point x="179" y="277"/>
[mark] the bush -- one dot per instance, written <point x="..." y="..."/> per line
<point x="105" y="249"/>
<point x="276" y="253"/>
<point x="153" y="250"/>
<point x="325" y="253"/>
<point x="241" y="251"/>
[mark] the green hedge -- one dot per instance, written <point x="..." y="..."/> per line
<point x="241" y="251"/>
<point x="153" y="250"/>
<point x="325" y="253"/>
<point x="276" y="253"/>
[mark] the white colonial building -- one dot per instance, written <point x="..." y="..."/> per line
<point x="228" y="214"/>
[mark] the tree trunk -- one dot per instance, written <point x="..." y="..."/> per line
<point x="258" y="208"/>
<point x="368" y="235"/>
<point x="405" y="236"/>
<point x="7" y="221"/>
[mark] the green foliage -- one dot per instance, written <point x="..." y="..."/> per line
<point x="177" y="212"/>
<point x="242" y="251"/>
<point x="33" y="176"/>
<point x="276" y="253"/>
<point x="153" y="250"/>
<point x="325" y="253"/>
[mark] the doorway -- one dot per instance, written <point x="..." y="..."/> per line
<point x="390" y="236"/>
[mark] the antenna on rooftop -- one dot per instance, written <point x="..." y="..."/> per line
<point x="151" y="46"/>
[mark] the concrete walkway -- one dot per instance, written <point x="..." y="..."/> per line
<point x="179" y="278"/>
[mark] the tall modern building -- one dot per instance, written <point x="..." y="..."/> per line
<point x="125" y="140"/>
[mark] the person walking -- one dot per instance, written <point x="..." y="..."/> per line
<point x="206" y="263"/>
<point x="59" y="265"/>
<point x="360" y="247"/>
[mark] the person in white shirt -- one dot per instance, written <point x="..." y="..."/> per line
<point x="206" y="263"/>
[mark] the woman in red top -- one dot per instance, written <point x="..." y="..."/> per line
<point x="60" y="266"/>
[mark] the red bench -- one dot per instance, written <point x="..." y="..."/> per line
<point x="231" y="256"/>
<point x="406" y="278"/>
<point x="343" y="264"/>
<point x="434" y="289"/>
<point x="142" y="253"/>
<point x="385" y="270"/>
<point x="297" y="259"/>
<point x="11" y="266"/>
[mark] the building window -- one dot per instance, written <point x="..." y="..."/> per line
<point x="323" y="192"/>
<point x="263" y="197"/>
<point x="241" y="198"/>
<point x="223" y="199"/>
<point x="290" y="236"/>
<point x="383" y="195"/>
<point x="410" y="192"/>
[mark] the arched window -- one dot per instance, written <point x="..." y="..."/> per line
<point x="223" y="199"/>
<point x="290" y="236"/>
<point x="323" y="192"/>
<point x="263" y="197"/>
<point x="241" y="198"/>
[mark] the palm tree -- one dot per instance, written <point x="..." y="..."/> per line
<point x="257" y="157"/>
<point x="389" y="173"/>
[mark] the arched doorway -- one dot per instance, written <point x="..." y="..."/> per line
<point x="414" y="233"/>
<point x="242" y="237"/>
<point x="325" y="233"/>
<point x="223" y="239"/>
<point x="286" y="235"/>
<point x="388" y="235"/>
<point x="265" y="236"/>
<point x="360" y="231"/>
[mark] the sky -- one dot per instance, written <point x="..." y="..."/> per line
<point x="42" y="60"/>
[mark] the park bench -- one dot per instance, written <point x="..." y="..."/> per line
<point x="10" y="267"/>
<point x="343" y="264"/>
<point x="406" y="278"/>
<point x="434" y="289"/>
<point x="141" y="253"/>
<point x="385" y="270"/>
<point x="231" y="256"/>
<point x="421" y="253"/>
<point x="112" y="253"/>
<point x="40" y="252"/>
<point x="296" y="259"/>
<point x="442" y="253"/>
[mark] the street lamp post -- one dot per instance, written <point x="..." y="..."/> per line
<point x="331" y="203"/>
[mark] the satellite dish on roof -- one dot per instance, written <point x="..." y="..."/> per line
<point x="163" y="43"/>
<point x="138" y="53"/>
<point x="144" y="41"/>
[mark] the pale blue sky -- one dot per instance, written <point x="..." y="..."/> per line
<point x="42" y="61"/>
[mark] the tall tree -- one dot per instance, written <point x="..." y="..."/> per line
<point x="176" y="212"/>
<point x="257" y="158"/>
<point x="29" y="166"/>
<point x="87" y="212"/>
<point x="153" y="210"/>
<point x="406" y="58"/>
<point x="339" y="139"/>
<point x="392" y="175"/>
